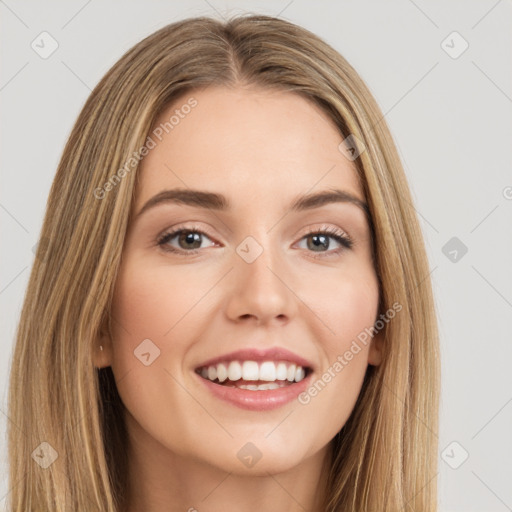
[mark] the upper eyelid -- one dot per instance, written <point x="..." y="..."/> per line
<point x="175" y="230"/>
<point x="193" y="228"/>
<point x="330" y="230"/>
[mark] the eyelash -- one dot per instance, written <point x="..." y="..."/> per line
<point x="341" y="237"/>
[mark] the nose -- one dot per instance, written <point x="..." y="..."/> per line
<point x="261" y="291"/>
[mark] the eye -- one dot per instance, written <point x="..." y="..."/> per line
<point x="189" y="240"/>
<point x="319" y="241"/>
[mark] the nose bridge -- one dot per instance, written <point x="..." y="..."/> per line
<point x="258" y="257"/>
<point x="260" y="276"/>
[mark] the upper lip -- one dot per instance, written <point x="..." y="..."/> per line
<point x="255" y="354"/>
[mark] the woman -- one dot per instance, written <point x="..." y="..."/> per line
<point x="252" y="369"/>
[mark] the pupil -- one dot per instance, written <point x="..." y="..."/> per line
<point x="321" y="239"/>
<point x="190" y="238"/>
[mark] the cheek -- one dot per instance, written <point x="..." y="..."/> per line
<point x="157" y="310"/>
<point x="144" y="312"/>
<point x="347" y="310"/>
<point x="151" y="301"/>
<point x="352" y="316"/>
<point x="345" y="305"/>
<point x="152" y="304"/>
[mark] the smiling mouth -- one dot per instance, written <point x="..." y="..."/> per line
<point x="254" y="376"/>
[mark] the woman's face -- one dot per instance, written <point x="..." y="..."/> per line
<point x="222" y="277"/>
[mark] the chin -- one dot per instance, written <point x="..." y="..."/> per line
<point x="259" y="457"/>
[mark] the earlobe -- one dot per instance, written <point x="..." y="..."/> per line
<point x="376" y="349"/>
<point x="102" y="352"/>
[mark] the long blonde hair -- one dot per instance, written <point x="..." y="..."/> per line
<point x="385" y="456"/>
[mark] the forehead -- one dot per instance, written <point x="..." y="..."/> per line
<point x="245" y="143"/>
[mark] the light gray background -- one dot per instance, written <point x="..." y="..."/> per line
<point x="451" y="120"/>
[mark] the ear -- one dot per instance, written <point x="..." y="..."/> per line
<point x="102" y="350"/>
<point x="376" y="348"/>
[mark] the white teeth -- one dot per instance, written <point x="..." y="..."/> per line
<point x="250" y="370"/>
<point x="234" y="370"/>
<point x="222" y="372"/>
<point x="269" y="371"/>
<point x="281" y="371"/>
<point x="212" y="372"/>
<point x="251" y="387"/>
<point x="270" y="385"/>
<point x="261" y="387"/>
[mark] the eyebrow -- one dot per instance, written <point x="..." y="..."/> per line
<point x="219" y="202"/>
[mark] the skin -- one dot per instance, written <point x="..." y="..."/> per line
<point x="261" y="149"/>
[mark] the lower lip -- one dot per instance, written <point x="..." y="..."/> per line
<point x="264" y="400"/>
